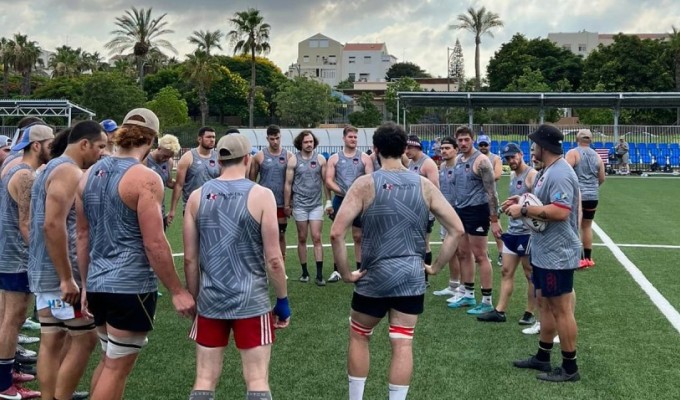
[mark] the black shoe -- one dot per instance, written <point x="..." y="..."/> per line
<point x="492" y="316"/>
<point x="533" y="363"/>
<point x="527" y="319"/>
<point x="80" y="395"/>
<point x="20" y="357"/>
<point x="26" y="369"/>
<point x="559" y="375"/>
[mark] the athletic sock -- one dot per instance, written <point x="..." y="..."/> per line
<point x="356" y="387"/>
<point x="486" y="296"/>
<point x="358" y="265"/>
<point x="569" y="362"/>
<point x="335" y="267"/>
<point x="398" y="392"/>
<point x="453" y="284"/>
<point x="202" y="395"/>
<point x="6" y="365"/>
<point x="258" y="395"/>
<point x="304" y="269"/>
<point x="587" y="253"/>
<point x="469" y="289"/>
<point x="543" y="353"/>
<point x="319" y="270"/>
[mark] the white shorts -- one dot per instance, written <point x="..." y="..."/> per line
<point x="59" y="308"/>
<point x="315" y="214"/>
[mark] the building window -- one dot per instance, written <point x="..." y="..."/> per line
<point x="331" y="60"/>
<point x="323" y="43"/>
<point x="367" y="59"/>
<point x="305" y="59"/>
<point x="581" y="47"/>
<point x="328" y="73"/>
<point x="313" y="43"/>
<point x="363" y="77"/>
<point x="352" y="77"/>
<point x="352" y="59"/>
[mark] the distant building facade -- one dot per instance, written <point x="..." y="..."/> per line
<point x="584" y="42"/>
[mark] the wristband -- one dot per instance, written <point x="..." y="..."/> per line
<point x="282" y="309"/>
<point x="329" y="204"/>
<point x="524" y="210"/>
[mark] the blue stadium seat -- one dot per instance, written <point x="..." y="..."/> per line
<point x="645" y="158"/>
<point x="609" y="145"/>
<point x="634" y="157"/>
<point x="675" y="146"/>
<point x="495" y="144"/>
<point x="326" y="155"/>
<point x="598" y="145"/>
<point x="662" y="145"/>
<point x="504" y="143"/>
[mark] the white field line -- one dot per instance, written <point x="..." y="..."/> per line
<point x="657" y="298"/>
<point x="646" y="246"/>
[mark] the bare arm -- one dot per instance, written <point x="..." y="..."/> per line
<point x="255" y="166"/>
<point x="262" y="200"/>
<point x="190" y="235"/>
<point x="448" y="218"/>
<point x="170" y="183"/>
<point x="353" y="204"/>
<point x="431" y="173"/>
<point x="324" y="171"/>
<point x="368" y="163"/>
<point x="571" y="158"/>
<point x="20" y="189"/>
<point x="330" y="175"/>
<point x="82" y="233"/>
<point x="485" y="171"/>
<point x="497" y="168"/>
<point x="601" y="173"/>
<point x="288" y="187"/>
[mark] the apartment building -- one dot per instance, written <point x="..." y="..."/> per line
<point x="366" y="62"/>
<point x="583" y="43"/>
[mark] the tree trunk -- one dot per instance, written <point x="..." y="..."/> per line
<point x="25" y="83"/>
<point x="5" y="80"/>
<point x="140" y="71"/>
<point x="478" y="80"/>
<point x="203" y="104"/>
<point x="251" y="93"/>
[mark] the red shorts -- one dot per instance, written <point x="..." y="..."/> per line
<point x="280" y="213"/>
<point x="248" y="332"/>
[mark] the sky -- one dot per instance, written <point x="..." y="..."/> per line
<point x="415" y="31"/>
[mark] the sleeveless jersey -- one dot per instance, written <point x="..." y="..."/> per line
<point x="416" y="166"/>
<point x="118" y="262"/>
<point x="518" y="186"/>
<point x="469" y="187"/>
<point x="42" y="275"/>
<point x="199" y="172"/>
<point x="492" y="158"/>
<point x="558" y="246"/>
<point x="347" y="170"/>
<point x="233" y="273"/>
<point x="13" y="249"/>
<point x="393" y="239"/>
<point x="9" y="159"/>
<point x="447" y="183"/>
<point x="376" y="163"/>
<point x="163" y="170"/>
<point x="307" y="182"/>
<point x="273" y="173"/>
<point x="587" y="171"/>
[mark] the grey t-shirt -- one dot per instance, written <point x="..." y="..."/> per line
<point x="587" y="171"/>
<point x="307" y="182"/>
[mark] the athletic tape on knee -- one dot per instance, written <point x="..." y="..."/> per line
<point x="360" y="329"/>
<point x="401" y="332"/>
<point x="121" y="347"/>
<point x="79" y="327"/>
<point x="51" y="325"/>
<point x="103" y="340"/>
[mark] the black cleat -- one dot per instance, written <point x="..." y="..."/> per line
<point x="492" y="316"/>
<point x="559" y="375"/>
<point x="320" y="282"/>
<point x="533" y="363"/>
<point x="23" y="368"/>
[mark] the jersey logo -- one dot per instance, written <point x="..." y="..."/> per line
<point x="467" y="167"/>
<point x="212" y="163"/>
<point x="269" y="160"/>
<point x="479" y="229"/>
<point x="355" y="161"/>
<point x="313" y="164"/>
<point x="100" y="173"/>
<point x="560" y="196"/>
<point x="211" y="196"/>
<point x="388" y="186"/>
<point x="164" y="166"/>
<point x="519" y="185"/>
<point x="520" y="248"/>
<point x="282" y="160"/>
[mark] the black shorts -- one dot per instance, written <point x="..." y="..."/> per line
<point x="127" y="312"/>
<point x="552" y="282"/>
<point x="337" y="201"/>
<point x="379" y="306"/>
<point x="588" y="207"/>
<point x="475" y="219"/>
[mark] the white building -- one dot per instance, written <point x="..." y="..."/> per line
<point x="366" y="62"/>
<point x="584" y="42"/>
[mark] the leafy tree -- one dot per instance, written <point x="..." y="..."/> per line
<point x="478" y="22"/>
<point x="201" y="70"/>
<point x="170" y="108"/>
<point x="529" y="81"/>
<point x="206" y="40"/>
<point x="369" y="116"/>
<point x="405" y="69"/>
<point x="346" y="84"/>
<point x="67" y="61"/>
<point x="112" y="95"/>
<point x="7" y="56"/>
<point x="26" y="55"/>
<point x="403" y="85"/>
<point x="250" y="36"/>
<point x="69" y="88"/>
<point x="674" y="49"/>
<point x="229" y="95"/>
<point x="555" y="64"/>
<point x="457" y="65"/>
<point x="304" y="102"/>
<point x="139" y="32"/>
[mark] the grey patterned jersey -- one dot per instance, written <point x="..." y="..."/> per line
<point x="273" y="173"/>
<point x="447" y="183"/>
<point x="9" y="159"/>
<point x="376" y="163"/>
<point x="233" y="274"/>
<point x="13" y="249"/>
<point x="469" y="186"/>
<point x="42" y="276"/>
<point x="163" y="170"/>
<point x="558" y="246"/>
<point x="587" y="171"/>
<point x="118" y="262"/>
<point x="307" y="183"/>
<point x="348" y="169"/>
<point x="518" y="186"/>
<point x="199" y="172"/>
<point x="416" y="166"/>
<point x="492" y="158"/>
<point x="393" y="240"/>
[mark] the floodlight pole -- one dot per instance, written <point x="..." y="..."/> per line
<point x="617" y="113"/>
<point x="397" y="108"/>
<point x="541" y="115"/>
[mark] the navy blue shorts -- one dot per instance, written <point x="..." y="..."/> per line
<point x="379" y="306"/>
<point x="552" y="282"/>
<point x="17" y="282"/>
<point x="515" y="244"/>
<point x="337" y="201"/>
<point x="475" y="219"/>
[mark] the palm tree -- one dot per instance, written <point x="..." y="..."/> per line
<point x="250" y="37"/>
<point x="7" y="57"/>
<point x="479" y="22"/>
<point x="26" y="57"/>
<point x="201" y="70"/>
<point x="206" y="40"/>
<point x="67" y="61"/>
<point x="140" y="33"/>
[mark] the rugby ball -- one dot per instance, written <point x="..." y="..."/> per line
<point x="536" y="225"/>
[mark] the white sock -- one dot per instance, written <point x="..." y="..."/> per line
<point x="486" y="300"/>
<point x="356" y="387"/>
<point x="453" y="285"/>
<point x="398" y="392"/>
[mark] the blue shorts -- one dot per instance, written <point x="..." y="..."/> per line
<point x="515" y="244"/>
<point x="552" y="282"/>
<point x="17" y="282"/>
<point x="337" y="201"/>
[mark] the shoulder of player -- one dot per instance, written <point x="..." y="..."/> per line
<point x="333" y="159"/>
<point x="21" y="176"/>
<point x="480" y="161"/>
<point x="321" y="159"/>
<point x="65" y="171"/>
<point x="429" y="163"/>
<point x="186" y="159"/>
<point x="142" y="176"/>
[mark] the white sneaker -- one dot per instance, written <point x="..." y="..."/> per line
<point x="23" y="339"/>
<point x="30" y="324"/>
<point x="26" y="352"/>
<point x="557" y="339"/>
<point x="533" y="329"/>
<point x="335" y="277"/>
<point x="444" y="292"/>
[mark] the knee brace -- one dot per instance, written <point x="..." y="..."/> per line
<point x="402" y="332"/>
<point x="361" y="330"/>
<point x="103" y="340"/>
<point x="51" y="325"/>
<point x="282" y="228"/>
<point x="121" y="347"/>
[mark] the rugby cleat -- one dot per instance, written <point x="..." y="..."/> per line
<point x="463" y="302"/>
<point x="481" y="308"/>
<point x="559" y="375"/>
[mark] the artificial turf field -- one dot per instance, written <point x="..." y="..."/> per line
<point x="627" y="349"/>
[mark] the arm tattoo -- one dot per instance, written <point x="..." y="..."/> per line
<point x="486" y="173"/>
<point x="542" y="215"/>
